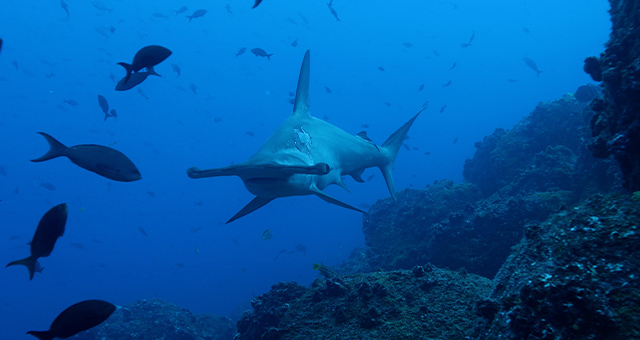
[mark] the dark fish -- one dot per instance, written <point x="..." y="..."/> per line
<point x="48" y="186"/>
<point x="181" y="10"/>
<point x="134" y="80"/>
<point x="446" y="84"/>
<point x="365" y="126"/>
<point x="443" y="108"/>
<point x="453" y="66"/>
<point x="294" y="43"/>
<point x="148" y="57"/>
<point x="455" y="140"/>
<point x="250" y="134"/>
<point x="15" y="64"/>
<point x="512" y="80"/>
<point x="103" y="30"/>
<point x="102" y="160"/>
<point x="241" y="51"/>
<point x="51" y="227"/>
<point x="306" y="21"/>
<point x="387" y="104"/>
<point x="380" y="68"/>
<point x="267" y="235"/>
<point x="0" y="44"/>
<point x="160" y="15"/>
<point x="421" y="87"/>
<point x="71" y="102"/>
<point x="526" y="30"/>
<point x="228" y="8"/>
<point x="473" y="35"/>
<point x="77" y="318"/>
<point x="532" y="65"/>
<point x="195" y="230"/>
<point x="64" y="6"/>
<point x="255" y="4"/>
<point x="407" y="147"/>
<point x="144" y="95"/>
<point x="151" y="194"/>
<point x="78" y="245"/>
<point x="101" y="6"/>
<point x="197" y="14"/>
<point x="436" y="53"/>
<point x="49" y="75"/>
<point x="261" y="53"/>
<point x="427" y="153"/>
<point x="143" y="232"/>
<point x="333" y="11"/>
<point x="407" y="44"/>
<point x="112" y="77"/>
<point x="327" y="89"/>
<point x="176" y="69"/>
<point x="102" y="101"/>
<point x="217" y="119"/>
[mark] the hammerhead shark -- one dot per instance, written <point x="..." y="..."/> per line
<point x="306" y="154"/>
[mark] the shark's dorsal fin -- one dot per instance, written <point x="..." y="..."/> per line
<point x="363" y="135"/>
<point x="301" y="105"/>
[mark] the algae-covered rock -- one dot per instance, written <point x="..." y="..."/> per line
<point x="422" y="303"/>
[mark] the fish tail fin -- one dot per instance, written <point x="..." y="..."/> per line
<point x="106" y="115"/>
<point x="392" y="146"/>
<point x="127" y="68"/>
<point x="269" y="56"/>
<point x="42" y="335"/>
<point x="56" y="149"/>
<point x="28" y="262"/>
<point x="538" y="73"/>
<point x="190" y="17"/>
<point x="153" y="72"/>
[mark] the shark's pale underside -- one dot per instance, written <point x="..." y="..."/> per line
<point x="306" y="154"/>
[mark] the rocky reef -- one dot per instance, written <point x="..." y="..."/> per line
<point x="422" y="303"/>
<point x="616" y="125"/>
<point x="516" y="177"/>
<point x="575" y="276"/>
<point x="153" y="319"/>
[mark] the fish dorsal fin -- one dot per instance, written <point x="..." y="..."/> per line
<point x="301" y="105"/>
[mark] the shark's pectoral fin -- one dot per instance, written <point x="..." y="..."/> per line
<point x="265" y="170"/>
<point x="335" y="201"/>
<point x="255" y="204"/>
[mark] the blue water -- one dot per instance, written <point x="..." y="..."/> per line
<point x="175" y="129"/>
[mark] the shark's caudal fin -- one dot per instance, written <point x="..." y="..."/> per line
<point x="56" y="149"/>
<point x="392" y="146"/>
<point x="28" y="262"/>
<point x="301" y="104"/>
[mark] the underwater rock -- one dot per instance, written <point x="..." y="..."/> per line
<point x="383" y="305"/>
<point x="572" y="277"/>
<point x="616" y="129"/>
<point x="152" y="319"/>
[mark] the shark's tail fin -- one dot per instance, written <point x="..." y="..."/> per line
<point x="392" y="146"/>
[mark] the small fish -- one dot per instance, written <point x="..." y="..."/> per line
<point x="146" y="57"/>
<point x="526" y="30"/>
<point x="380" y="68"/>
<point x="364" y="126"/>
<point x="48" y="186"/>
<point x="532" y="65"/>
<point x="70" y="102"/>
<point x="193" y="88"/>
<point x="104" y="105"/>
<point x="176" y="69"/>
<point x="181" y="10"/>
<point x="50" y="228"/>
<point x="241" y="51"/>
<point x="407" y="44"/>
<point x="436" y="53"/>
<point x="446" y="84"/>
<point x="406" y="146"/>
<point x="102" y="160"/>
<point x="144" y="95"/>
<point x="228" y="8"/>
<point x="112" y="77"/>
<point x="250" y="134"/>
<point x="217" y="119"/>
<point x="143" y="232"/>
<point x="0" y="44"/>
<point x="427" y="153"/>
<point x="101" y="6"/>
<point x="135" y="79"/>
<point x="197" y="14"/>
<point x="473" y="35"/>
<point x="105" y="31"/>
<point x="151" y="194"/>
<point x="326" y="271"/>
<point x="78" y="245"/>
<point x="14" y="64"/>
<point x="64" y="6"/>
<point x="332" y="10"/>
<point x="49" y="75"/>
<point x="195" y="230"/>
<point x="421" y="87"/>
<point x="267" y="235"/>
<point x="443" y="108"/>
<point x="258" y="52"/>
<point x="327" y="89"/>
<point x="387" y="104"/>
<point x="294" y="43"/>
<point x="455" y="140"/>
<point x="160" y="15"/>
<point x="255" y="4"/>
<point x="453" y="66"/>
<point x="77" y="318"/>
<point x="512" y="80"/>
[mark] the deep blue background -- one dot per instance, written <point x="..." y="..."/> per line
<point x="175" y="129"/>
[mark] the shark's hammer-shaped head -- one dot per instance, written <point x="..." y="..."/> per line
<point x="305" y="154"/>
